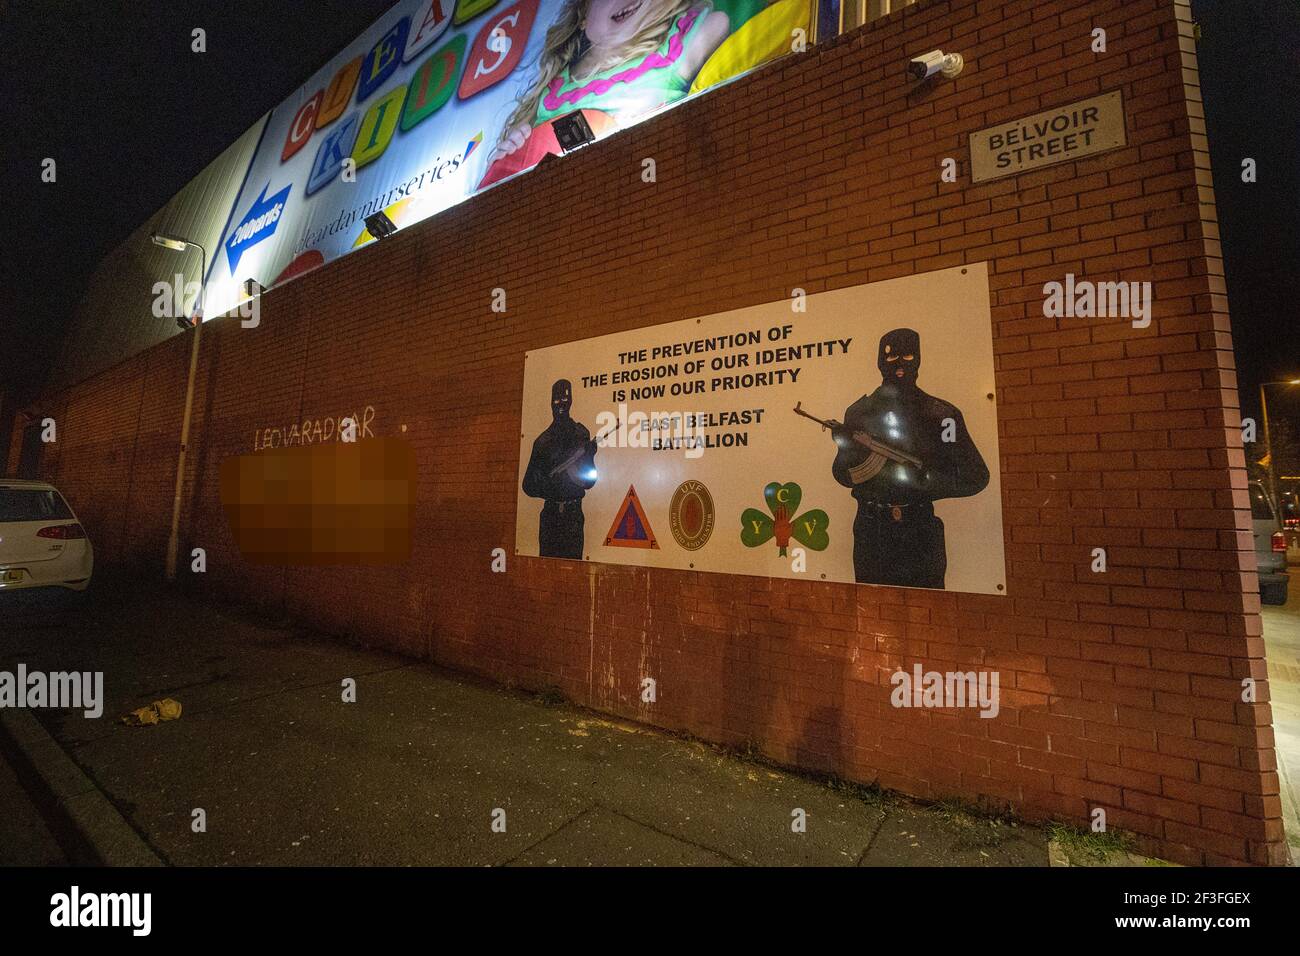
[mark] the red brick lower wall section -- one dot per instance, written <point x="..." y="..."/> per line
<point x="1120" y="690"/>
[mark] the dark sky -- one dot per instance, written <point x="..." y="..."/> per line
<point x="111" y="91"/>
<point x="1249" y="56"/>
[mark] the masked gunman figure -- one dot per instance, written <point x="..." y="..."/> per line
<point x="896" y="537"/>
<point x="561" y="469"/>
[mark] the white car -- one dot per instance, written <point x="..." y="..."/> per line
<point x="41" y="542"/>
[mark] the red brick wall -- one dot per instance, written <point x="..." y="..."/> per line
<point x="1119" y="690"/>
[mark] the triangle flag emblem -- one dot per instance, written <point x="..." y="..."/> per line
<point x="631" y="529"/>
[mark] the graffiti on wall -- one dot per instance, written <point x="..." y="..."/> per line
<point x="313" y="431"/>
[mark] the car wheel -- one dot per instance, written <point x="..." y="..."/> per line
<point x="1273" y="593"/>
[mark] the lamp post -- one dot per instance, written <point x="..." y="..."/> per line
<point x="173" y="540"/>
<point x="1268" y="439"/>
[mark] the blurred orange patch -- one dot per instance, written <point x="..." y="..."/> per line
<point x="337" y="503"/>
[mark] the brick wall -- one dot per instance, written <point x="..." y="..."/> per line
<point x="1120" y="690"/>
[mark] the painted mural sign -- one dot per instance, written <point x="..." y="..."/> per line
<point x="801" y="438"/>
<point x="443" y="98"/>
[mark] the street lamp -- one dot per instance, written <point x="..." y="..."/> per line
<point x="1268" y="440"/>
<point x="180" y="245"/>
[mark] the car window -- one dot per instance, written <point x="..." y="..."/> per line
<point x="1259" y="509"/>
<point x="32" y="504"/>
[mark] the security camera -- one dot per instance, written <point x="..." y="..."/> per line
<point x="936" y="61"/>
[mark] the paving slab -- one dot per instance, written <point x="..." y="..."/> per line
<point x="62" y="789"/>
<point x="602" y="837"/>
<point x="925" y="836"/>
<point x="25" y="840"/>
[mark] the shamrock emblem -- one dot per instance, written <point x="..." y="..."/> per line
<point x="809" y="528"/>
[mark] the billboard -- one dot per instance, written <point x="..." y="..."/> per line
<point x="844" y="436"/>
<point x="443" y="98"/>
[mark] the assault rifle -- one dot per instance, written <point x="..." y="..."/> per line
<point x="871" y="444"/>
<point x="581" y="452"/>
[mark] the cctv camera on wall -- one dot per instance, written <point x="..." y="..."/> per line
<point x="936" y="61"/>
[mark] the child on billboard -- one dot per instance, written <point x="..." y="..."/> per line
<point x="615" y="60"/>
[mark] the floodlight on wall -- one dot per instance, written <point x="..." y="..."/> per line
<point x="380" y="226"/>
<point x="252" y="287"/>
<point x="573" y="131"/>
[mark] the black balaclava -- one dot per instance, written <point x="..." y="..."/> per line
<point x="561" y="399"/>
<point x="900" y="352"/>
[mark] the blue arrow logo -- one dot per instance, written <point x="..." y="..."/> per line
<point x="258" y="223"/>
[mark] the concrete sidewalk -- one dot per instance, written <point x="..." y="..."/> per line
<point x="25" y="839"/>
<point x="1282" y="647"/>
<point x="287" y="773"/>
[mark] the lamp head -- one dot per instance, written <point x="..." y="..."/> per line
<point x="168" y="242"/>
<point x="380" y="226"/>
<point x="573" y="131"/>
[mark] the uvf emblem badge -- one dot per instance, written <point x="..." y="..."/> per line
<point x="690" y="515"/>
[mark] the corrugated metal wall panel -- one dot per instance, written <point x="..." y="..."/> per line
<point x="115" y="319"/>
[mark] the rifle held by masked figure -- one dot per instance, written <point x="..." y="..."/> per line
<point x="867" y="441"/>
<point x="581" y="452"/>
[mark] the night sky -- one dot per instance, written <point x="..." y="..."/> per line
<point x="111" y="90"/>
<point x="1250" y="76"/>
<point x="130" y="114"/>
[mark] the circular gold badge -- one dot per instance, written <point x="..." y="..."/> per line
<point x="690" y="515"/>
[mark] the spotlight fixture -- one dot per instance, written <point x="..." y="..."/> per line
<point x="573" y="131"/>
<point x="252" y="288"/>
<point x="380" y="226"/>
